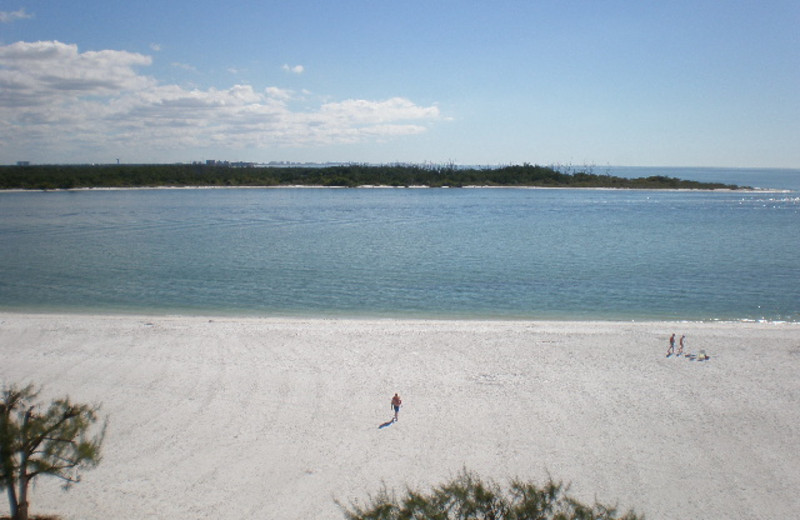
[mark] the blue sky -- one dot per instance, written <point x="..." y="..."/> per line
<point x="679" y="83"/>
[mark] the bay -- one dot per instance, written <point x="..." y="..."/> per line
<point x="425" y="253"/>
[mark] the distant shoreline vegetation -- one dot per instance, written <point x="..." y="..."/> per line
<point x="61" y="177"/>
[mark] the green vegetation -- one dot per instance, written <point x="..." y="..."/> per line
<point x="49" y="177"/>
<point x="35" y="441"/>
<point x="467" y="497"/>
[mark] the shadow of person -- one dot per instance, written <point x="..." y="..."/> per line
<point x="387" y="423"/>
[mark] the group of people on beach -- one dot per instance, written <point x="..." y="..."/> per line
<point x="681" y="344"/>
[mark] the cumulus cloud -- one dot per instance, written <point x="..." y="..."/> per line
<point x="19" y="14"/>
<point x="297" y="69"/>
<point x="54" y="98"/>
<point x="279" y="93"/>
<point x="43" y="75"/>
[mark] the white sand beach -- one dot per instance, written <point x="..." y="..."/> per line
<point x="277" y="418"/>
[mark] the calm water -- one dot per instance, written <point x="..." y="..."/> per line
<point x="445" y="253"/>
<point x="769" y="178"/>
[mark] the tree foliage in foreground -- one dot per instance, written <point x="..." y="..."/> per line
<point x="35" y="441"/>
<point x="468" y="497"/>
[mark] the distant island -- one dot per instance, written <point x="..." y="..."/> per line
<point x="60" y="177"/>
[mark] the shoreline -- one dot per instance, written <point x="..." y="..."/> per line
<point x="257" y="315"/>
<point x="410" y="187"/>
<point x="458" y="322"/>
<point x="220" y="416"/>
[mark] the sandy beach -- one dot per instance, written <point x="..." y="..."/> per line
<point x="278" y="418"/>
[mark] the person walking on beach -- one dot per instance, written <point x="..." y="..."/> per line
<point x="396" y="402"/>
<point x="680" y="345"/>
<point x="671" y="349"/>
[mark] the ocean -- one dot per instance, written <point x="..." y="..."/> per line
<point x="467" y="253"/>
<point x="764" y="178"/>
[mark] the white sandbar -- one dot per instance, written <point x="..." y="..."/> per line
<point x="276" y="418"/>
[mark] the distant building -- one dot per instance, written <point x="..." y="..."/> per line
<point x="228" y="164"/>
<point x="23" y="163"/>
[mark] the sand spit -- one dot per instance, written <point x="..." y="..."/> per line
<point x="275" y="418"/>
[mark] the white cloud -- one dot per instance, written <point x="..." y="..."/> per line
<point x="19" y="14"/>
<point x="279" y="93"/>
<point x="56" y="101"/>
<point x="53" y="73"/>
<point x="297" y="69"/>
<point x="156" y="47"/>
<point x="365" y="112"/>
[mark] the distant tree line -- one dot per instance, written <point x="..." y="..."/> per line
<point x="51" y="177"/>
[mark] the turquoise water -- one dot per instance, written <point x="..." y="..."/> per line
<point x="434" y="253"/>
